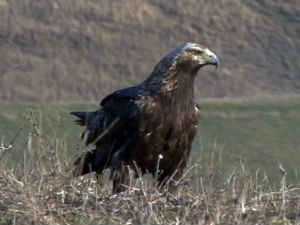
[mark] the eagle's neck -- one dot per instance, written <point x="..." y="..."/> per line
<point x="179" y="91"/>
<point x="171" y="85"/>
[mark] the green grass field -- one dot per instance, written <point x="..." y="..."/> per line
<point x="260" y="133"/>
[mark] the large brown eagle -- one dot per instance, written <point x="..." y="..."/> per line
<point x="148" y="127"/>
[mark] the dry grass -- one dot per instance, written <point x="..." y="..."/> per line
<point x="38" y="196"/>
<point x="42" y="191"/>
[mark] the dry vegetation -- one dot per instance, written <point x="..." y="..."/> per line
<point x="80" y="50"/>
<point x="51" y="197"/>
<point x="41" y="191"/>
<point x="37" y="195"/>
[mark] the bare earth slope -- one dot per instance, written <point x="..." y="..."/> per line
<point x="71" y="50"/>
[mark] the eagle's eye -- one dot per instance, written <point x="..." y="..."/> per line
<point x="196" y="52"/>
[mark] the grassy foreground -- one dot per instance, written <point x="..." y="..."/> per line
<point x="245" y="170"/>
<point x="39" y="196"/>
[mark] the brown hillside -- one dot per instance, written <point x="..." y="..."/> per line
<point x="71" y="50"/>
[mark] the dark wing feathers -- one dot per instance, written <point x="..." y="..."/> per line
<point x="130" y="93"/>
<point x="113" y="130"/>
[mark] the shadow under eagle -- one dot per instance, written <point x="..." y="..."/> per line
<point x="154" y="121"/>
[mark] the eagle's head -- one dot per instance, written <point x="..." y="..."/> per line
<point x="180" y="65"/>
<point x="187" y="58"/>
<point x="190" y="57"/>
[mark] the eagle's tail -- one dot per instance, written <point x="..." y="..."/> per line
<point x="84" y="117"/>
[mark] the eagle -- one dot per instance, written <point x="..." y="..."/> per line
<point x="147" y="128"/>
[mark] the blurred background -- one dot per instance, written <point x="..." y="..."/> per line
<point x="71" y="51"/>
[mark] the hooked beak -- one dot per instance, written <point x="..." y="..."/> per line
<point x="213" y="60"/>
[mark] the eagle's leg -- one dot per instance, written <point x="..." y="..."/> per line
<point x="121" y="179"/>
<point x="175" y="181"/>
<point x="171" y="183"/>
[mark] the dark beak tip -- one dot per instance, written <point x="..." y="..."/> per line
<point x="216" y="63"/>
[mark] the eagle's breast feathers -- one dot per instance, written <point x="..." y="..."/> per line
<point x="163" y="135"/>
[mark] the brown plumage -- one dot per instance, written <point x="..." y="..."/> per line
<point x="149" y="127"/>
